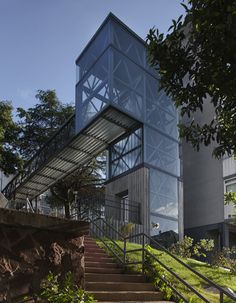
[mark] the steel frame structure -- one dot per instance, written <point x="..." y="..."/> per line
<point x="66" y="150"/>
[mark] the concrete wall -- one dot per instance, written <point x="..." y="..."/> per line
<point x="28" y="252"/>
<point x="137" y="185"/>
<point x="203" y="188"/>
<point x="203" y="182"/>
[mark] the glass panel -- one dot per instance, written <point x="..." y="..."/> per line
<point x="164" y="225"/>
<point x="91" y="108"/>
<point x="163" y="194"/>
<point x="161" y="119"/>
<point x="92" y="94"/>
<point x="125" y="208"/>
<point x="159" y="97"/>
<point x="231" y="187"/>
<point x="126" y="154"/>
<point x="151" y="69"/>
<point x="161" y="151"/>
<point x="94" y="50"/>
<point x="229" y="210"/>
<point x="128" y="85"/>
<point x="128" y="72"/>
<point x="128" y="44"/>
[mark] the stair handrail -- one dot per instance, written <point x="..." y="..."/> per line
<point x="221" y="290"/>
<point x="144" y="250"/>
<point x="124" y="262"/>
<point x="110" y="239"/>
<point x="167" y="283"/>
<point x="110" y="226"/>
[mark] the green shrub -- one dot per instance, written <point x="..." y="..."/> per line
<point x="186" y="248"/>
<point x="65" y="292"/>
<point x="127" y="229"/>
<point x="225" y="258"/>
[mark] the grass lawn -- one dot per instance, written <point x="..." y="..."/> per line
<point x="218" y="275"/>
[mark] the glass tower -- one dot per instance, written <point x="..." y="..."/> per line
<point x="113" y="70"/>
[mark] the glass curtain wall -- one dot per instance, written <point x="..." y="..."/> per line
<point x="126" y="154"/>
<point x="113" y="69"/>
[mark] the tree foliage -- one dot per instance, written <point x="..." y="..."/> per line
<point x="40" y="122"/>
<point x="20" y="140"/>
<point x="85" y="180"/>
<point x="37" y="125"/>
<point x="196" y="62"/>
<point x="9" y="130"/>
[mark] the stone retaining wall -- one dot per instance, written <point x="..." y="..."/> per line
<point x="28" y="252"/>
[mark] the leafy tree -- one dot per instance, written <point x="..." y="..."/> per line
<point x="40" y="122"/>
<point x="86" y="181"/>
<point x="9" y="130"/>
<point x="19" y="141"/>
<point x="196" y="62"/>
<point x="37" y="125"/>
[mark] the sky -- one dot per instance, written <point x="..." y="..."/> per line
<point x="41" y="39"/>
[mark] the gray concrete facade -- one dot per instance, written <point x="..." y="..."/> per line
<point x="205" y="214"/>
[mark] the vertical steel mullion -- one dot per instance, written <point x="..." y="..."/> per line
<point x="142" y="144"/>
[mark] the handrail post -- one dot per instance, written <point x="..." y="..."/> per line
<point x="143" y="253"/>
<point x="221" y="297"/>
<point x="124" y="251"/>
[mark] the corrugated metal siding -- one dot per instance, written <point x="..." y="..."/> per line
<point x="137" y="185"/>
<point x="87" y="144"/>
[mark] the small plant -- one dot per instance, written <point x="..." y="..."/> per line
<point x="158" y="275"/>
<point x="127" y="229"/>
<point x="226" y="258"/>
<point x="186" y="248"/>
<point x="65" y="292"/>
<point x="230" y="197"/>
<point x="203" y="246"/>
